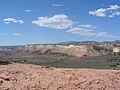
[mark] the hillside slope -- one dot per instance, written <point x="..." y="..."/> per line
<point x="72" y="50"/>
<point x="32" y="77"/>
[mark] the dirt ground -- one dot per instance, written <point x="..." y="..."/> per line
<point x="32" y="77"/>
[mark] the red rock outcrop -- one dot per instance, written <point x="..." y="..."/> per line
<point x="32" y="77"/>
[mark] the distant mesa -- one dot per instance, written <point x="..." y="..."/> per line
<point x="71" y="48"/>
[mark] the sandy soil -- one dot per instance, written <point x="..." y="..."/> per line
<point x="32" y="77"/>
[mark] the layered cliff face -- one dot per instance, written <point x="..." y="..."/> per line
<point x="72" y="50"/>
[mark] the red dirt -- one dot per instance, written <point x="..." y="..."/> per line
<point x="32" y="77"/>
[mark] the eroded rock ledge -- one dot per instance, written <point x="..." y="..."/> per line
<point x="32" y="77"/>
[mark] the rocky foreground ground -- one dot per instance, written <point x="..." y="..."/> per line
<point x="32" y="77"/>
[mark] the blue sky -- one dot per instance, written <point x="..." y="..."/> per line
<point x="52" y="21"/>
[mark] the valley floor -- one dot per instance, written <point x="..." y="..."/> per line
<point x="64" y="61"/>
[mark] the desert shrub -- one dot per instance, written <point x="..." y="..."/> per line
<point x="114" y="65"/>
<point x="4" y="62"/>
<point x="117" y="63"/>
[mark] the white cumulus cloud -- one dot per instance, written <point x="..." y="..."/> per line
<point x="113" y="7"/>
<point x="28" y="11"/>
<point x="89" y="30"/>
<point x="117" y="13"/>
<point x="12" y="20"/>
<point x="82" y="31"/>
<point x="100" y="12"/>
<point x="102" y="34"/>
<point x="87" y="26"/>
<point x="111" y="11"/>
<point x="60" y="21"/>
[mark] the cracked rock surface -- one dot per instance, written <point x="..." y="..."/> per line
<point x="32" y="77"/>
